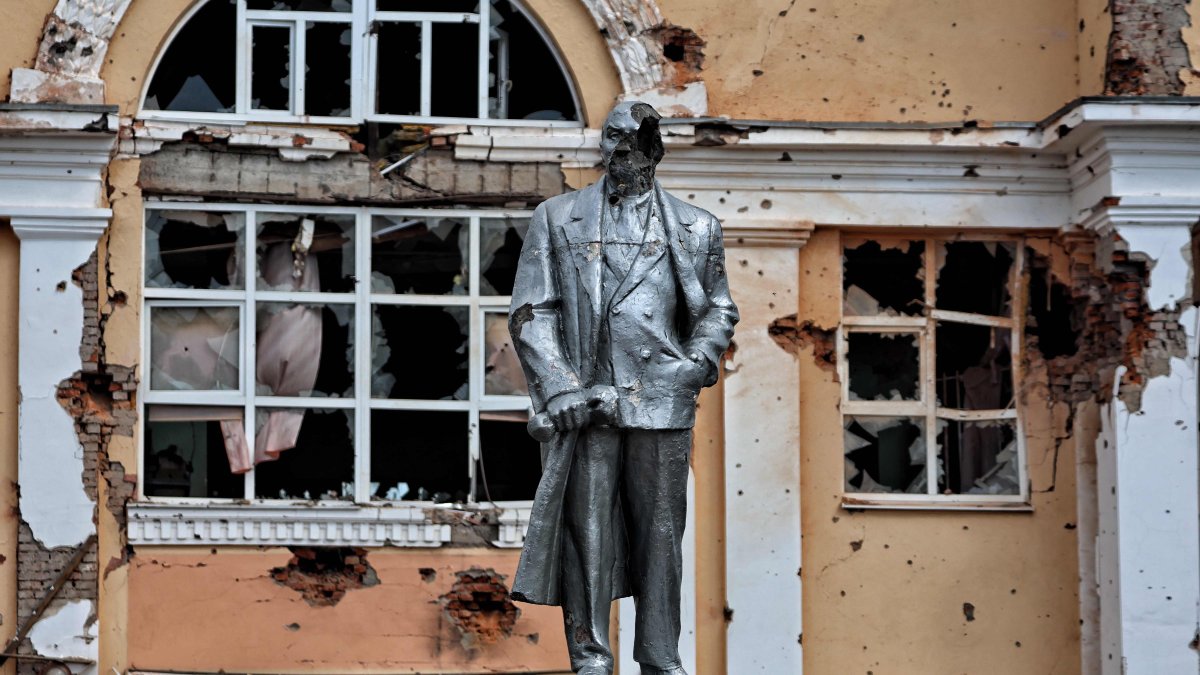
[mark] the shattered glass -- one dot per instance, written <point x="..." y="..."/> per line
<point x="500" y="241"/>
<point x="399" y="46"/>
<point x="271" y="55"/>
<point x="884" y="279"/>
<point x="884" y="454"/>
<point x="980" y="457"/>
<point x="974" y="277"/>
<point x="974" y="367"/>
<point x="304" y="454"/>
<point x="420" y="352"/>
<point x="305" y="350"/>
<point x="306" y="253"/>
<point x="327" y="70"/>
<point x="194" y="348"/>
<point x="186" y="83"/>
<point x="420" y="455"/>
<point x="534" y="88"/>
<point x="195" y="249"/>
<point x="185" y="453"/>
<point x="884" y="366"/>
<point x="511" y="461"/>
<point x="503" y="375"/>
<point x="426" y="256"/>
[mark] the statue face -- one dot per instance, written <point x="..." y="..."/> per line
<point x="631" y="147"/>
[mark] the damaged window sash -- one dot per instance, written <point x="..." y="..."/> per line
<point x="368" y="360"/>
<point x="348" y="61"/>
<point x="894" y="331"/>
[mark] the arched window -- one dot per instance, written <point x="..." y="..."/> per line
<point x="345" y="61"/>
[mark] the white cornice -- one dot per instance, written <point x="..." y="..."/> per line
<point x="31" y="223"/>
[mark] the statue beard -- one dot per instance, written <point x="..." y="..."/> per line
<point x="630" y="173"/>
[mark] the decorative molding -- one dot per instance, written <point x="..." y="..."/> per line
<point x="284" y="525"/>
<point x="1143" y="212"/>
<point x="85" y="224"/>
<point x="789" y="234"/>
<point x="72" y="51"/>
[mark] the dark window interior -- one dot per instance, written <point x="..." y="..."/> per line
<point x="187" y="459"/>
<point x="420" y="455"/>
<point x="185" y="81"/>
<point x="321" y="462"/>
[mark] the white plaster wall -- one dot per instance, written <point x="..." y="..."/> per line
<point x="53" y="502"/>
<point x="67" y="632"/>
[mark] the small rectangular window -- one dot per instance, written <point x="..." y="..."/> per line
<point x="271" y="65"/>
<point x="927" y="356"/>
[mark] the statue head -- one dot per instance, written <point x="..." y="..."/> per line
<point x="631" y="147"/>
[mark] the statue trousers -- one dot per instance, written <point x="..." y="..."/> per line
<point x="636" y="479"/>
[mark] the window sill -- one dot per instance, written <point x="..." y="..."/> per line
<point x="407" y="525"/>
<point x="1012" y="504"/>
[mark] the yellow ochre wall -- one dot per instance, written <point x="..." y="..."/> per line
<point x="884" y="591"/>
<point x="10" y="258"/>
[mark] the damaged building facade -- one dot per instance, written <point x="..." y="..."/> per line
<point x="260" y="412"/>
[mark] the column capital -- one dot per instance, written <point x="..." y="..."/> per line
<point x="55" y="223"/>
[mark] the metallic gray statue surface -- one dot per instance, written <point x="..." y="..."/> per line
<point x="620" y="314"/>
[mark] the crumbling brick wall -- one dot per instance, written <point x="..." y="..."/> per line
<point x="1146" y="50"/>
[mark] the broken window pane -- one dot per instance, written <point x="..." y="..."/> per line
<point x="304" y="453"/>
<point x="194" y="348"/>
<point x="420" y="352"/>
<point x="186" y="452"/>
<point x="464" y="6"/>
<point x="306" y="253"/>
<point x="305" y="350"/>
<point x="511" y="461"/>
<point x="974" y="366"/>
<point x="974" y="277"/>
<point x="980" y="457"/>
<point x="887" y="278"/>
<point x="884" y="366"/>
<point x="271" y="59"/>
<point x="184" y="82"/>
<point x="420" y="455"/>
<point x="885" y="454"/>
<point x="194" y="249"/>
<point x="327" y="74"/>
<point x="398" y="69"/>
<point x="500" y="241"/>
<point x="534" y="86"/>
<point x="455" y="91"/>
<point x="503" y="375"/>
<point x="426" y="256"/>
<point x="301" y="5"/>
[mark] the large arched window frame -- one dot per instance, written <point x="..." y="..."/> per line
<point x="369" y="22"/>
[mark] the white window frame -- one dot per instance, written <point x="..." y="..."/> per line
<point x="362" y="298"/>
<point x="925" y="407"/>
<point x="364" y="49"/>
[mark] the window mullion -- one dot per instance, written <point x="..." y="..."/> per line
<point x="250" y="340"/>
<point x="1017" y="304"/>
<point x="929" y="368"/>
<point x="485" y="23"/>
<point x="474" y="359"/>
<point x="299" y="63"/>
<point x="360" y="76"/>
<point x="426" y="68"/>
<point x="243" y="65"/>
<point x="362" y="358"/>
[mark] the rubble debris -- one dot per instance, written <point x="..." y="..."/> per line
<point x="323" y="575"/>
<point x="887" y="278"/>
<point x="793" y="336"/>
<point x="480" y="607"/>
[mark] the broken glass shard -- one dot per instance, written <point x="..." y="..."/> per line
<point x="426" y="349"/>
<point x="186" y="451"/>
<point x="525" y="84"/>
<point x="306" y="253"/>
<point x="327" y="77"/>
<point x="511" y="461"/>
<point x="194" y="249"/>
<point x="884" y="366"/>
<point x="304" y="350"/>
<point x="884" y="454"/>
<point x="885" y="278"/>
<point x="398" y="69"/>
<point x="974" y="367"/>
<point x="304" y="453"/>
<point x="420" y="455"/>
<point x="974" y="277"/>
<point x="271" y="56"/>
<point x="425" y="256"/>
<point x="194" y="348"/>
<point x="503" y="375"/>
<point x="500" y="241"/>
<point x="980" y="457"/>
<point x="184" y="82"/>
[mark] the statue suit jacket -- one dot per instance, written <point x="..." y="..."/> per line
<point x="555" y="321"/>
